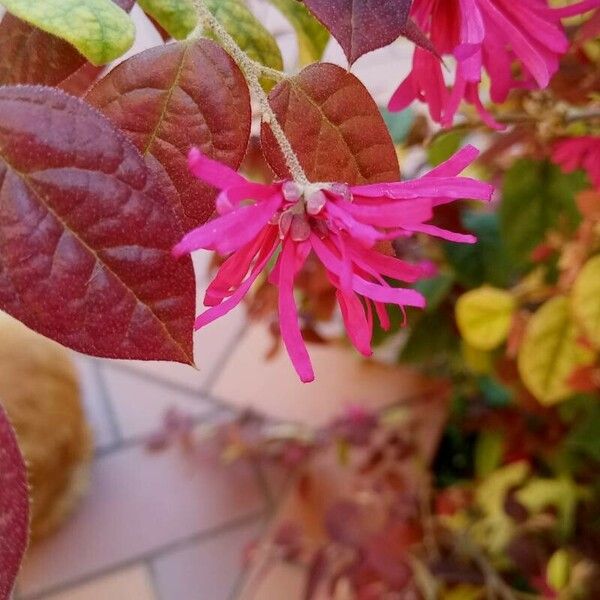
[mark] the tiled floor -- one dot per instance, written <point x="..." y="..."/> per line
<point x="157" y="526"/>
<point x="166" y="526"/>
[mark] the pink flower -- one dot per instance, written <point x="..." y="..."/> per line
<point x="284" y="222"/>
<point x="484" y="35"/>
<point x="579" y="153"/>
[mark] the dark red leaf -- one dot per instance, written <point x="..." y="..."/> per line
<point x="361" y="26"/>
<point x="334" y="127"/>
<point x="172" y="97"/>
<point x="30" y="55"/>
<point x="79" y="82"/>
<point x="387" y="553"/>
<point x="412" y="32"/>
<point x="14" y="507"/>
<point x="352" y="523"/>
<point x="85" y="235"/>
<point x="317" y="572"/>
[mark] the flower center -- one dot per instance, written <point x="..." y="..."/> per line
<point x="306" y="201"/>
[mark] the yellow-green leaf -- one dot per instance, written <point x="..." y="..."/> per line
<point x="495" y="529"/>
<point x="491" y="493"/>
<point x="585" y="300"/>
<point x="178" y="17"/>
<point x="312" y="36"/>
<point x="550" y="352"/>
<point x="479" y="362"/>
<point x="562" y="493"/>
<point x="558" y="571"/>
<point x="484" y="317"/>
<point x="488" y="453"/>
<point x="248" y="33"/>
<point x="99" y="29"/>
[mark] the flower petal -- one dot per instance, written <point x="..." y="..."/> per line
<point x="228" y="305"/>
<point x="374" y="291"/>
<point x="360" y="331"/>
<point x="213" y="172"/>
<point x="288" y="313"/>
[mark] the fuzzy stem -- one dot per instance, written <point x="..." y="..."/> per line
<point x="253" y="71"/>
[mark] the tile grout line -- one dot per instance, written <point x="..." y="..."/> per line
<point x="107" y="402"/>
<point x="225" y="357"/>
<point x="141" y="439"/>
<point x="202" y="536"/>
<point x="152" y="575"/>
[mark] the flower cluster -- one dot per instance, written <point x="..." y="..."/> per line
<point x="343" y="225"/>
<point x="484" y="35"/>
<point x="579" y="153"/>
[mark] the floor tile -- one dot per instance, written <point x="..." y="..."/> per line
<point x="282" y="581"/>
<point x="138" y="503"/>
<point x="133" y="584"/>
<point x="208" y="569"/>
<point x="139" y="405"/>
<point x="343" y="378"/>
<point x="95" y="403"/>
<point x="211" y="345"/>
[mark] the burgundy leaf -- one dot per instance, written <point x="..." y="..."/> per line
<point x="334" y="127"/>
<point x="30" y="55"/>
<point x="14" y="507"/>
<point x="79" y="82"/>
<point x="412" y="32"/>
<point x="387" y="553"/>
<point x="172" y="97"/>
<point x="86" y="234"/>
<point x="317" y="572"/>
<point x="361" y="26"/>
<point x="351" y="523"/>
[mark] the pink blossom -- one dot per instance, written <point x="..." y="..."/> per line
<point x="579" y="153"/>
<point x="284" y="222"/>
<point x="489" y="36"/>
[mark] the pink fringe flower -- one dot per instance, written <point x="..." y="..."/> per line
<point x="579" y="153"/>
<point x="484" y="35"/>
<point x="284" y="222"/>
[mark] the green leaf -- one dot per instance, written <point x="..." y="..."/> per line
<point x="585" y="300"/>
<point x="398" y="123"/>
<point x="584" y="436"/>
<point x="484" y="316"/>
<point x="486" y="261"/>
<point x="99" y="29"/>
<point x="495" y="394"/>
<point x="550" y="352"/>
<point x="444" y="146"/>
<point x="435" y="289"/>
<point x="178" y="17"/>
<point x="312" y="36"/>
<point x="537" y="197"/>
<point x="248" y="33"/>
<point x="431" y="338"/>
<point x="488" y="453"/>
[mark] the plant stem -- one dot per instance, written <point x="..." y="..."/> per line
<point x="253" y="71"/>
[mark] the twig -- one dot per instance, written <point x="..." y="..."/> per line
<point x="253" y="71"/>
